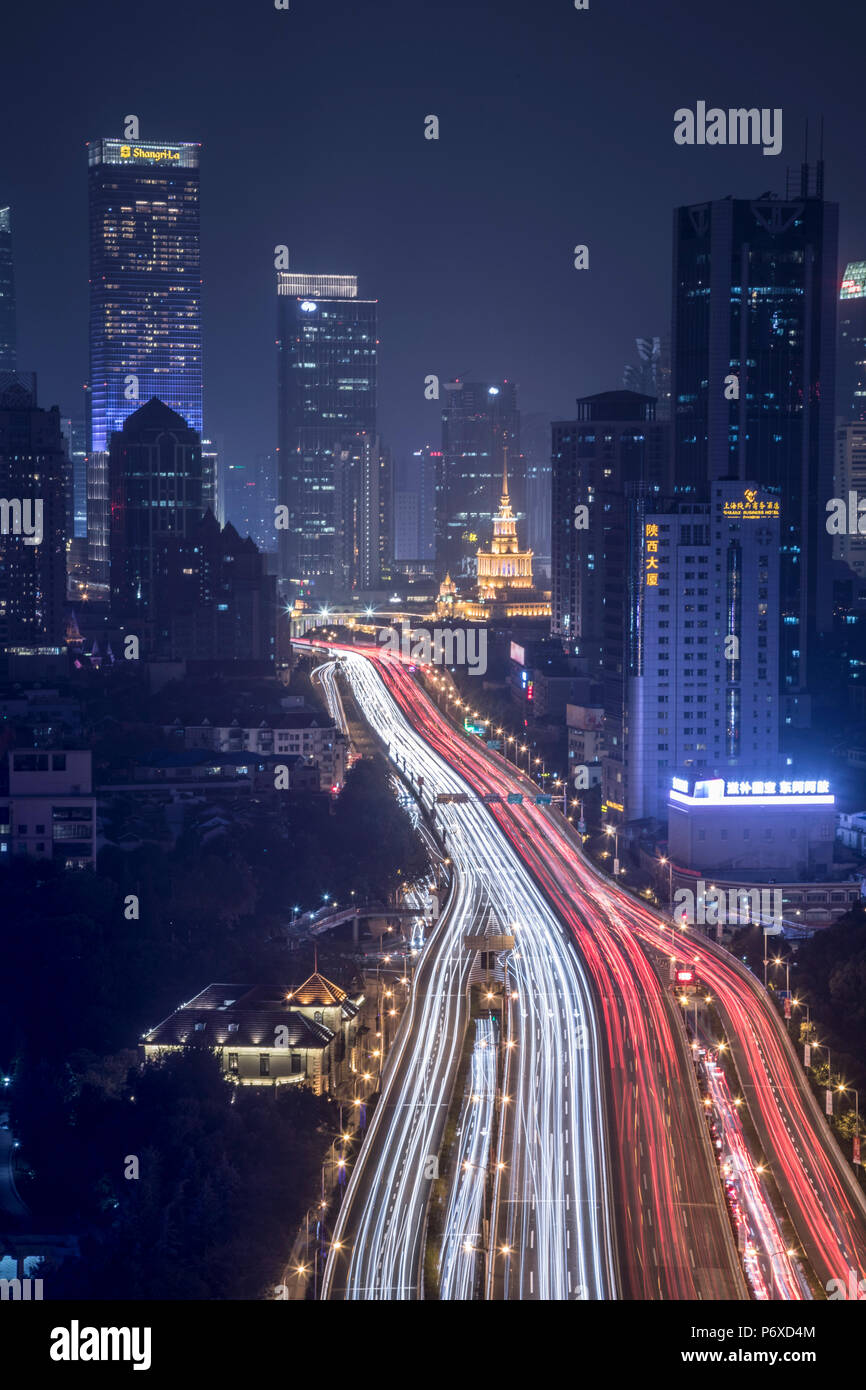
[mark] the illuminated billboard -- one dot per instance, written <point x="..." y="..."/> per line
<point x="718" y="791"/>
<point x="751" y="507"/>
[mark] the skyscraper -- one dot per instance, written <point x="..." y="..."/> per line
<point x="851" y="390"/>
<point x="701" y="659"/>
<point x="8" y="340"/>
<point x="850" y="476"/>
<point x="480" y="427"/>
<point x="651" y="374"/>
<point x="414" y="509"/>
<point x="75" y="434"/>
<point x="753" y="384"/>
<point x="535" y="447"/>
<point x="615" y="446"/>
<point x="613" y="453"/>
<point x="145" y="282"/>
<point x="155" y="481"/>
<point x="326" y="380"/>
<point x="33" y="472"/>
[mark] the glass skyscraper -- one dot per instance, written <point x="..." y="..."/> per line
<point x="851" y="393"/>
<point x="8" y="352"/>
<point x="327" y="352"/>
<point x="145" y="282"/>
<point x="753" y="385"/>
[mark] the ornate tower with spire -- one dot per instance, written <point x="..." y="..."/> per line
<point x="504" y="567"/>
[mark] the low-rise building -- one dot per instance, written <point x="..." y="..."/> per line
<point x="302" y="733"/>
<point x="50" y="809"/>
<point x="268" y="1035"/>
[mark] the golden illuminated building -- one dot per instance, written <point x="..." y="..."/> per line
<point x="505" y="587"/>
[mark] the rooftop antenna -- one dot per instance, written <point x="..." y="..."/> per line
<point x="819" y="176"/>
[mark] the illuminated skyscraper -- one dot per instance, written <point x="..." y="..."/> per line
<point x="145" y="282"/>
<point x="326" y="377"/>
<point x="754" y="328"/>
<point x="8" y="353"/>
<point x="851" y="390"/>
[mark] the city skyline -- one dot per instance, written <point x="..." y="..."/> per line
<point x="500" y="259"/>
<point x="433" y="647"/>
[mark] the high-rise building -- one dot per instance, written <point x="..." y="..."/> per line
<point x="145" y="282"/>
<point x="613" y="453"/>
<point x="850" y="476"/>
<point x="155" y="505"/>
<point x="217" y="602"/>
<point x="33" y="471"/>
<point x="535" y="446"/>
<point x="851" y="376"/>
<point x="248" y="498"/>
<point x="753" y="384"/>
<point x="701" y="687"/>
<point x="650" y="375"/>
<point x="75" y="434"/>
<point x="326" y="379"/>
<point x="211" y="493"/>
<point x="358" y="512"/>
<point x="480" y="428"/>
<point x="8" y="339"/>
<point x="414" y="509"/>
<point x="613" y="447"/>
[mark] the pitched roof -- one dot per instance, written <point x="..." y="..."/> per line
<point x="318" y="990"/>
<point x="240" y="1016"/>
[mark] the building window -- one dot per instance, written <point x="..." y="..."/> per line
<point x="297" y="1064"/>
<point x="264" y="1064"/>
<point x="233" y="1063"/>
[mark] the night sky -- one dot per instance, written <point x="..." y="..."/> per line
<point x="556" y="129"/>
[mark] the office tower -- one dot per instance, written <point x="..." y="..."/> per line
<point x="248" y="498"/>
<point x="480" y="427"/>
<point x="414" y="509"/>
<point x="386" y="514"/>
<point x="615" y="445"/>
<point x="850" y="476"/>
<point x="754" y="378"/>
<point x="650" y="375"/>
<point x="357" y="513"/>
<point x="211" y="498"/>
<point x="216" y="602"/>
<point x="75" y="434"/>
<point x="33" y="469"/>
<point x="613" y="452"/>
<point x="326" y="383"/>
<point x="145" y="283"/>
<point x="98" y="518"/>
<point x="851" y="376"/>
<point x="701" y="671"/>
<point x="8" y="339"/>
<point x="154" y="471"/>
<point x="535" y="446"/>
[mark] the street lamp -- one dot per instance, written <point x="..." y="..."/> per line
<point x="842" y="1087"/>
<point x="614" y="831"/>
